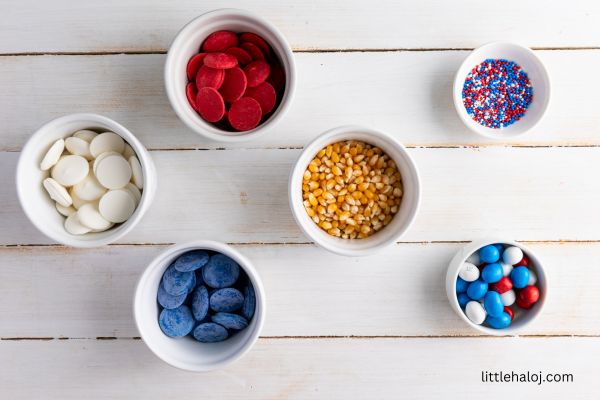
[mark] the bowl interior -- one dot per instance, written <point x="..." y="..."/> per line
<point x="186" y="352"/>
<point x="401" y="221"/>
<point x="187" y="44"/>
<point x="522" y="317"/>
<point x="36" y="202"/>
<point x="538" y="76"/>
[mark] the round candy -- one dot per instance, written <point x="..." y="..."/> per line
<point x="532" y="278"/>
<point x="220" y="41"/>
<point x="191" y="92"/>
<point x="209" y="77"/>
<point x="234" y="84"/>
<point x="200" y="303"/>
<point x="77" y="202"/>
<point x="475" y="312"/>
<point x="230" y="321"/>
<point x="168" y="300"/>
<point x="249" y="302"/>
<point x="512" y="255"/>
<point x="474" y="259"/>
<point x="254" y="51"/>
<point x="78" y="147"/>
<point x="257" y="72"/>
<point x="175" y="282"/>
<point x="105" y="142"/>
<point x="135" y="192"/>
<point x="468" y="272"/>
<point x="492" y="273"/>
<point x="489" y="254"/>
<point x="463" y="299"/>
<point x="210" y="104"/>
<point x="508" y="298"/>
<point x="66" y="211"/>
<point x="244" y="114"/>
<point x="249" y="37"/>
<point x="519" y="277"/>
<point x="113" y="171"/>
<point x="529" y="294"/>
<point x="117" y="205"/>
<point x="86" y="135"/>
<point x="506" y="268"/>
<point x="461" y="285"/>
<point x="89" y="189"/>
<point x="499" y="246"/>
<point x="191" y="260"/>
<point x="242" y="55"/>
<point x="70" y="170"/>
<point x="226" y="300"/>
<point x="210" y="332"/>
<point x="277" y="77"/>
<point x="74" y="227"/>
<point x="510" y="312"/>
<point x="57" y="192"/>
<point x="220" y="272"/>
<point x="503" y="285"/>
<point x="477" y="289"/>
<point x="52" y="155"/>
<point x="265" y="95"/>
<point x="500" y="322"/>
<point x="524" y="261"/>
<point x="194" y="65"/>
<point x="493" y="304"/>
<point x="89" y="216"/>
<point x="220" y="61"/>
<point x="177" y="322"/>
<point x="137" y="176"/>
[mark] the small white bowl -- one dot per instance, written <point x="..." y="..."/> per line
<point x="187" y="43"/>
<point x="522" y="319"/>
<point x="530" y="63"/>
<point x="36" y="202"/>
<point x="401" y="221"/>
<point x="187" y="353"/>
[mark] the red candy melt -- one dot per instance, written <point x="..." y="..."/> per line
<point x="254" y="51"/>
<point x="220" y="41"/>
<point x="210" y="104"/>
<point x="191" y="93"/>
<point x="220" y="60"/>
<point x="503" y="285"/>
<point x="194" y="65"/>
<point x="244" y="114"/>
<point x="257" y="72"/>
<point x="234" y="84"/>
<point x="265" y="95"/>
<point x="209" y="77"/>
<point x="242" y="55"/>
<point x="249" y="37"/>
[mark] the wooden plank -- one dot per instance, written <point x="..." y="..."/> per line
<point x="407" y="94"/>
<point x="303" y="369"/>
<point x="59" y="292"/>
<point x="241" y="196"/>
<point x="130" y="25"/>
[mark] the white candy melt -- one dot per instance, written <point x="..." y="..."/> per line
<point x="468" y="272"/>
<point x="57" y="192"/>
<point x="136" y="171"/>
<point x="117" y="205"/>
<point x="475" y="312"/>
<point x="74" y="227"/>
<point x="66" y="211"/>
<point x="78" y="147"/>
<point x="113" y="172"/>
<point x="128" y="151"/>
<point x="89" y="216"/>
<point x="107" y="141"/>
<point x="135" y="192"/>
<point x="70" y="170"/>
<point x="77" y="202"/>
<point x="89" y="189"/>
<point x="86" y="135"/>
<point x="52" y="155"/>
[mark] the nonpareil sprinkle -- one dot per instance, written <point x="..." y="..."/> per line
<point x="497" y="93"/>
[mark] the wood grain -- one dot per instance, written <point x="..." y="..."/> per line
<point x="407" y="94"/>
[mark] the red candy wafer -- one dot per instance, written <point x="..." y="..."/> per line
<point x="210" y="104"/>
<point x="249" y="37"/>
<point x="242" y="55"/>
<point x="244" y="114"/>
<point x="220" y="60"/>
<point x="254" y="51"/>
<point x="191" y="93"/>
<point x="265" y="95"/>
<point x="194" y="65"/>
<point x="209" y="77"/>
<point x="234" y="84"/>
<point x="257" y="72"/>
<point x="220" y="41"/>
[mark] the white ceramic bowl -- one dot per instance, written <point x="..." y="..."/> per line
<point x="187" y="43"/>
<point x="401" y="221"/>
<point x="36" y="202"/>
<point x="523" y="318"/>
<point x="187" y="353"/>
<point x="530" y="63"/>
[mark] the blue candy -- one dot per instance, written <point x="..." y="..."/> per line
<point x="499" y="246"/>
<point x="177" y="283"/>
<point x="461" y="285"/>
<point x="519" y="277"/>
<point x="200" y="303"/>
<point x="493" y="304"/>
<point x="489" y="254"/>
<point x="501" y="322"/>
<point x="220" y="272"/>
<point x="199" y="278"/>
<point x="230" y="321"/>
<point x="167" y="300"/>
<point x="477" y="289"/>
<point x="249" y="302"/>
<point x="191" y="261"/>
<point x="177" y="322"/>
<point x="226" y="300"/>
<point x="210" y="332"/>
<point x="463" y="299"/>
<point x="492" y="273"/>
<point x="192" y="285"/>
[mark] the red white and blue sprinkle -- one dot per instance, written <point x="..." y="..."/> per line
<point x="497" y="93"/>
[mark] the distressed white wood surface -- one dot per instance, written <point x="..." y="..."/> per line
<point x="56" y="292"/>
<point x="407" y="94"/>
<point x="130" y="25"/>
<point x="414" y="368"/>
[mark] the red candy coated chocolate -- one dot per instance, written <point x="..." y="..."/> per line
<point x="220" y="60"/>
<point x="510" y="312"/>
<point x="194" y="65"/>
<point x="244" y="114"/>
<point x="524" y="261"/>
<point x="265" y="95"/>
<point x="522" y="303"/>
<point x="209" y="77"/>
<point x="234" y="84"/>
<point x="529" y="294"/>
<point x="249" y="37"/>
<point x="191" y="93"/>
<point x="257" y="72"/>
<point x="503" y="285"/>
<point x="242" y="55"/>
<point x="220" y="41"/>
<point x="210" y="104"/>
<point x="254" y="51"/>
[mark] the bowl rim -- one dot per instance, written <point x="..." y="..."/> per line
<point x="312" y="148"/>
<point x="208" y="130"/>
<point x="163" y="258"/>
<point x="480" y="129"/>
<point x="148" y="169"/>
<point x="465" y="252"/>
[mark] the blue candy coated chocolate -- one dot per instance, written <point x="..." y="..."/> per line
<point x="499" y="246"/>
<point x="492" y="273"/>
<point x="463" y="299"/>
<point x="489" y="254"/>
<point x="477" y="289"/>
<point x="191" y="261"/>
<point x="461" y="285"/>
<point x="167" y="300"/>
<point x="200" y="303"/>
<point x="220" y="272"/>
<point x="177" y="322"/>
<point x="519" y="277"/>
<point x="230" y="321"/>
<point x="493" y="304"/>
<point x="501" y="322"/>
<point x="249" y="302"/>
<point x="177" y="283"/>
<point x="210" y="332"/>
<point x="226" y="300"/>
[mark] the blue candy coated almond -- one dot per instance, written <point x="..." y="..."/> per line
<point x="519" y="277"/>
<point x="230" y="321"/>
<point x="167" y="300"/>
<point x="489" y="254"/>
<point x="249" y="302"/>
<point x="191" y="260"/>
<point x="492" y="273"/>
<point x="226" y="300"/>
<point x="200" y="303"/>
<point x="501" y="322"/>
<point x="220" y="272"/>
<point x="177" y="283"/>
<point x="477" y="289"/>
<point x="493" y="304"/>
<point x="177" y="322"/>
<point x="461" y="285"/>
<point x="210" y="332"/>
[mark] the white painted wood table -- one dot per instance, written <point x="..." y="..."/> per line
<point x="337" y="328"/>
